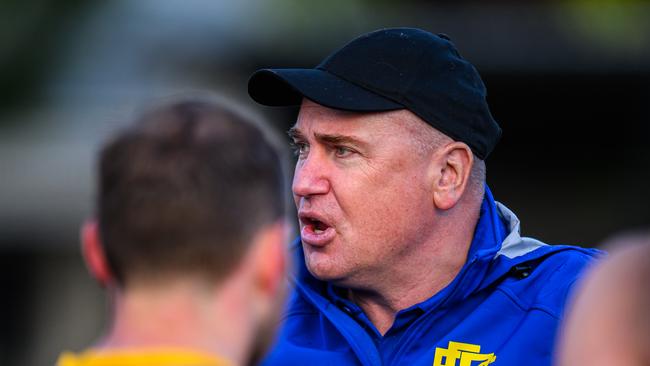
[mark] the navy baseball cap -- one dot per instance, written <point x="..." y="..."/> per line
<point x="390" y="69"/>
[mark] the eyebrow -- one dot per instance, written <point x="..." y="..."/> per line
<point x="295" y="133"/>
<point x="330" y="139"/>
<point x="336" y="139"/>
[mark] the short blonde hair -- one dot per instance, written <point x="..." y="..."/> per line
<point x="428" y="139"/>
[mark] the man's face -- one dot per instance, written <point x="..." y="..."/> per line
<point x="362" y="193"/>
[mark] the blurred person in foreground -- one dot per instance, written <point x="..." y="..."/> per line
<point x="189" y="239"/>
<point x="609" y="319"/>
<point x="404" y="256"/>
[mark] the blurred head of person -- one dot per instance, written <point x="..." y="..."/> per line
<point x="609" y="320"/>
<point x="190" y="230"/>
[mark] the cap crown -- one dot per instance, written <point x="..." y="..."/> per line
<point x="424" y="73"/>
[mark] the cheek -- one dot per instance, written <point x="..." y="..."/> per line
<point x="384" y="196"/>
<point x="383" y="207"/>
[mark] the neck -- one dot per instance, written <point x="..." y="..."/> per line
<point x="427" y="269"/>
<point x="182" y="314"/>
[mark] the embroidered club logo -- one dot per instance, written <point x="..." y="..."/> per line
<point x="466" y="353"/>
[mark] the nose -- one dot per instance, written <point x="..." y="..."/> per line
<point x="310" y="177"/>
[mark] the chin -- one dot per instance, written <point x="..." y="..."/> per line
<point x="324" y="271"/>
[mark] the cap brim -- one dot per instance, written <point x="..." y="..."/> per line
<point x="287" y="87"/>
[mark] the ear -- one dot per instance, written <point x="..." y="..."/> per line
<point x="270" y="260"/>
<point x="454" y="163"/>
<point x="93" y="253"/>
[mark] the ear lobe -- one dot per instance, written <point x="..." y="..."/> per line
<point x="93" y="253"/>
<point x="457" y="160"/>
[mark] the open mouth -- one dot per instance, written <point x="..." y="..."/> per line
<point x="317" y="225"/>
<point x="314" y="225"/>
<point x="315" y="231"/>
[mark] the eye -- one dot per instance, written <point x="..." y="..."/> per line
<point x="342" y="151"/>
<point x="300" y="149"/>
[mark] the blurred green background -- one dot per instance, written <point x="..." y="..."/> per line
<point x="569" y="82"/>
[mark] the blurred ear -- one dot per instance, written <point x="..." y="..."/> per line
<point x="454" y="163"/>
<point x="93" y="253"/>
<point x="270" y="260"/>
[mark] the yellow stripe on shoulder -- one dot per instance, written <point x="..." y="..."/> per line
<point x="144" y="357"/>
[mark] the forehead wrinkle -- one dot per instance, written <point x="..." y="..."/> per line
<point x="333" y="126"/>
<point x="296" y="132"/>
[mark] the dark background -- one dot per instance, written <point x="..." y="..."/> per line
<point x="569" y="82"/>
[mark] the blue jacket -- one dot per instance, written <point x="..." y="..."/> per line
<point x="503" y="308"/>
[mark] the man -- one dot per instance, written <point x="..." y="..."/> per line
<point x="608" y="322"/>
<point x="188" y="240"/>
<point x="405" y="257"/>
